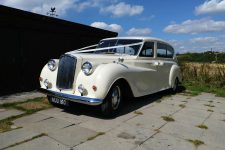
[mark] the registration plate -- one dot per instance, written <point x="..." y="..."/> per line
<point x="59" y="101"/>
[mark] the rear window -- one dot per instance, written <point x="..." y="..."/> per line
<point x="164" y="50"/>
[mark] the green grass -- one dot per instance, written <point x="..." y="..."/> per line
<point x="196" y="142"/>
<point x="202" y="126"/>
<point x="28" y="107"/>
<point x="5" y="124"/>
<point x="203" y="77"/>
<point x="168" y="118"/>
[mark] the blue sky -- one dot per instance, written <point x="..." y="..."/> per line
<point x="189" y="25"/>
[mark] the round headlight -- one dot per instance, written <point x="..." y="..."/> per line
<point x="87" y="68"/>
<point x="52" y="65"/>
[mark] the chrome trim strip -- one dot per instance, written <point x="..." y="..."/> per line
<point x="73" y="98"/>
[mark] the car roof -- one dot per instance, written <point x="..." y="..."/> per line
<point x="139" y="38"/>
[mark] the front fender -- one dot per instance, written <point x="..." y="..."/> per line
<point x="103" y="78"/>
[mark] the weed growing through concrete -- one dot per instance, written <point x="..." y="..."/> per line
<point x="202" y="126"/>
<point x="157" y="130"/>
<point x="168" y="118"/>
<point x="29" y="107"/>
<point x="5" y="124"/>
<point x="158" y="101"/>
<point x="209" y="105"/>
<point x="34" y="137"/>
<point x="125" y="135"/>
<point x="182" y="105"/>
<point x="138" y="113"/>
<point x="210" y="110"/>
<point x="196" y="142"/>
<point x="93" y="137"/>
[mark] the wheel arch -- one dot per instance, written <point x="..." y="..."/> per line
<point x="125" y="87"/>
<point x="174" y="73"/>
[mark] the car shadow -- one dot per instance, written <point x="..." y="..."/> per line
<point x="129" y="105"/>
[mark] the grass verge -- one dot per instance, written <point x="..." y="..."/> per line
<point x="204" y="77"/>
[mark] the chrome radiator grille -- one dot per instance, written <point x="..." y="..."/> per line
<point x="66" y="72"/>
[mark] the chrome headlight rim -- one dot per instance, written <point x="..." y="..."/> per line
<point x="87" y="68"/>
<point x="52" y="65"/>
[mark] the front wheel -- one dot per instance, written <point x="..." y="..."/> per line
<point x="112" y="102"/>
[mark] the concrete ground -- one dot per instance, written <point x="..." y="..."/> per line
<point x="19" y="97"/>
<point x="140" y="126"/>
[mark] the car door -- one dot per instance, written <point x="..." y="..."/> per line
<point x="164" y="55"/>
<point x="149" y="77"/>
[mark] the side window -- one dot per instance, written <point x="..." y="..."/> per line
<point x="165" y="51"/>
<point x="147" y="50"/>
<point x="161" y="50"/>
<point x="170" y="52"/>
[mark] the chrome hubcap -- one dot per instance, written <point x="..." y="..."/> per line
<point x="116" y="97"/>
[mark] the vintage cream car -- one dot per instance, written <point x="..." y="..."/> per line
<point x="107" y="73"/>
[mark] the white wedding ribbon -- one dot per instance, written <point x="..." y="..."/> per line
<point x="100" y="49"/>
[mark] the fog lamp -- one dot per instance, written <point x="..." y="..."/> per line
<point x="81" y="89"/>
<point x="47" y="84"/>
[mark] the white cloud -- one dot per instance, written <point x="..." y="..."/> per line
<point x="40" y="6"/>
<point x="80" y="6"/>
<point x="139" y="32"/>
<point x="148" y="18"/>
<point x="196" y="26"/>
<point x="204" y="40"/>
<point x="62" y="6"/>
<point x="122" y="9"/>
<point x="111" y="27"/>
<point x="199" y="44"/>
<point x="211" y="6"/>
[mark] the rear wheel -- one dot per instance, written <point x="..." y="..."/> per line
<point x="112" y="102"/>
<point x="175" y="85"/>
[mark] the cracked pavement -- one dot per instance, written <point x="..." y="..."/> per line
<point x="140" y="126"/>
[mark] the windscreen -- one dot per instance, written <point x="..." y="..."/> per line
<point x="124" y="46"/>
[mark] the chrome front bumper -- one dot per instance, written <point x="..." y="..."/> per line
<point x="73" y="98"/>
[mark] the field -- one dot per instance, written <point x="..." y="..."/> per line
<point x="204" y="77"/>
